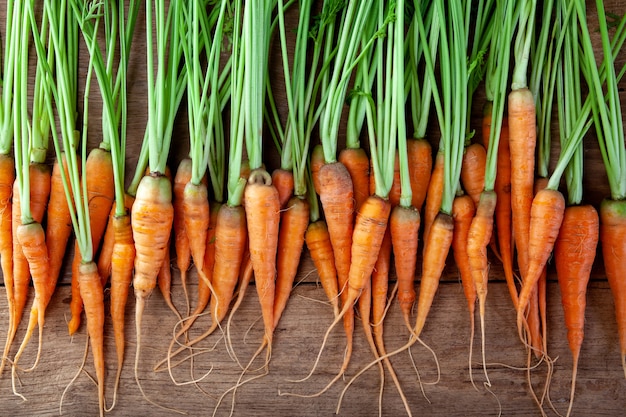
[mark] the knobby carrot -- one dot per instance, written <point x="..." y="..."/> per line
<point x="420" y="157"/>
<point x="321" y="252"/>
<point x="546" y="217"/>
<point x="473" y="170"/>
<point x="100" y="194"/>
<point x="434" y="194"/>
<point x="358" y="165"/>
<point x="293" y="224"/>
<point x="574" y="253"/>
<point x="404" y="224"/>
<point x="613" y="237"/>
<point x="181" y="241"/>
<point x="463" y="211"/>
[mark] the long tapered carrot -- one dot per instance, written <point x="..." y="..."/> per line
<point x="546" y="217"/>
<point x="574" y="254"/>
<point x="473" y="170"/>
<point x="196" y="213"/>
<point x="122" y="262"/>
<point x="358" y="165"/>
<point x="321" y="252"/>
<point x="293" y="224"/>
<point x="181" y="241"/>
<point x="433" y="195"/>
<point x="7" y="178"/>
<point x="613" y="237"/>
<point x="100" y="194"/>
<point x="108" y="240"/>
<point x="436" y="250"/>
<point x="419" y="152"/>
<point x="404" y="224"/>
<point x="262" y="218"/>
<point x="463" y="211"/>
<point x="522" y="142"/>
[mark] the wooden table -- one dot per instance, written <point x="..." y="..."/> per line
<point x="601" y="386"/>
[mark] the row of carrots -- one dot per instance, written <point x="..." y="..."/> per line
<point x="224" y="213"/>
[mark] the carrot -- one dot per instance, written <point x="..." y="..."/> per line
<point x="32" y="240"/>
<point x="522" y="140"/>
<point x="293" y="225"/>
<point x="420" y="157"/>
<point x="181" y="240"/>
<point x="318" y="243"/>
<point x="436" y="250"/>
<point x="473" y="171"/>
<point x="100" y="194"/>
<point x="463" y="211"/>
<point x="546" y="217"/>
<point x="122" y="260"/>
<point x="164" y="281"/>
<point x="93" y="297"/>
<point x="574" y="253"/>
<point x="358" y="165"/>
<point x="196" y="211"/>
<point x="283" y="181"/>
<point x="434" y="194"/>
<point x="404" y="224"/>
<point x="262" y="218"/>
<point x="395" y="190"/>
<point x="7" y="178"/>
<point x="613" y="238"/>
<point x="317" y="160"/>
<point x="108" y="240"/>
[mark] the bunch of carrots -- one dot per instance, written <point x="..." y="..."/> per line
<point x="358" y="210"/>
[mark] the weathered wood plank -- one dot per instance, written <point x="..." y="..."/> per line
<point x="601" y="385"/>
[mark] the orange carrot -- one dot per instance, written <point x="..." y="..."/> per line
<point x="7" y="178"/>
<point x="420" y="157"/>
<point x="263" y="217"/>
<point x="93" y="297"/>
<point x="546" y="216"/>
<point x="321" y="252"/>
<point x="404" y="224"/>
<point x="574" y="253"/>
<point x="293" y="224"/>
<point x="283" y="181"/>
<point x="358" y="165"/>
<point x="473" y="170"/>
<point x="433" y="195"/>
<point x="181" y="241"/>
<point x="106" y="249"/>
<point x="196" y="213"/>
<point x="522" y="142"/>
<point x="317" y="160"/>
<point x="100" y="194"/>
<point x="395" y="190"/>
<point x="436" y="250"/>
<point x="613" y="237"/>
<point x="463" y="211"/>
<point x="164" y="281"/>
<point x="122" y="260"/>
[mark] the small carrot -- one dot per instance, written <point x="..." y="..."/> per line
<point x="164" y="281"/>
<point x="106" y="249"/>
<point x="293" y="225"/>
<point x="419" y="152"/>
<point x="321" y="252"/>
<point x="317" y="160"/>
<point x="181" y="241"/>
<point x="196" y="212"/>
<point x="546" y="217"/>
<point x="574" y="253"/>
<point x="283" y="181"/>
<point x="404" y="224"/>
<point x="473" y="171"/>
<point x="358" y="165"/>
<point x="7" y="178"/>
<point x="434" y="194"/>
